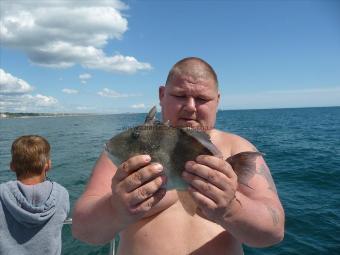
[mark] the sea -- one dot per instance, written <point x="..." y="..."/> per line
<point x="301" y="146"/>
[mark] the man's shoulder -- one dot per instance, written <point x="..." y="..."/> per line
<point x="235" y="143"/>
<point x="226" y="136"/>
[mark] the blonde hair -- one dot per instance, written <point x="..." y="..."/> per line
<point x="30" y="154"/>
<point x="194" y="67"/>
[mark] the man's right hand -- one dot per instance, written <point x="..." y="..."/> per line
<point x="137" y="186"/>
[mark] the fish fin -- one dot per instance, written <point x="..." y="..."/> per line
<point x="151" y="117"/>
<point x="204" y="139"/>
<point x="245" y="156"/>
<point x="243" y="164"/>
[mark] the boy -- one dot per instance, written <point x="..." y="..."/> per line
<point x="32" y="209"/>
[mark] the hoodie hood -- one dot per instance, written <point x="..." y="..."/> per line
<point x="30" y="205"/>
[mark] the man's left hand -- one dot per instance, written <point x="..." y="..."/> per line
<point x="212" y="184"/>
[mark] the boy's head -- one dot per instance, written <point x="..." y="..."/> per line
<point x="30" y="155"/>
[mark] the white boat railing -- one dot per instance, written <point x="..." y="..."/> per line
<point x="68" y="221"/>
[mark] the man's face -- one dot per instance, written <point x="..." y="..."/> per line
<point x="186" y="102"/>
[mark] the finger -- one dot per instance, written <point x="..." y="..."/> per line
<point x="141" y="176"/>
<point x="147" y="204"/>
<point x="202" y="201"/>
<point x="205" y="188"/>
<point x="215" y="177"/>
<point x="147" y="190"/>
<point x="131" y="165"/>
<point x="216" y="163"/>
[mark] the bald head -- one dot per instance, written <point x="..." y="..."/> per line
<point x="193" y="69"/>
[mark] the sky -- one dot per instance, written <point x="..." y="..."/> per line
<point x="111" y="56"/>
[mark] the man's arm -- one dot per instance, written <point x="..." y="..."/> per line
<point x="116" y="197"/>
<point x="93" y="216"/>
<point x="256" y="215"/>
<point x="251" y="212"/>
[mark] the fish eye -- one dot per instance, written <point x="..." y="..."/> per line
<point x="135" y="134"/>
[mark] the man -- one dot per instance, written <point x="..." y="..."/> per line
<point x="130" y="199"/>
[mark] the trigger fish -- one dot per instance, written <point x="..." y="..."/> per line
<point x="173" y="147"/>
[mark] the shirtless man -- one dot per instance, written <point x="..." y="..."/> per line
<point x="216" y="215"/>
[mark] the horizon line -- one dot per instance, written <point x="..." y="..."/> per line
<point x="129" y="112"/>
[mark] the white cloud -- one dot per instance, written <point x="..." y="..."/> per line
<point x="84" y="108"/>
<point x="114" y="94"/>
<point x="10" y="84"/>
<point x="138" y="106"/>
<point x="84" y="77"/>
<point x="27" y="103"/>
<point x="41" y="100"/>
<point x="15" y="97"/>
<point x="70" y="91"/>
<point x="60" y="33"/>
<point x="117" y="63"/>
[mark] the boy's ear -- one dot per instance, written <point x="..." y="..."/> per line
<point x="48" y="165"/>
<point x="11" y="165"/>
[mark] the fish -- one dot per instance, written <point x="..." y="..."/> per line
<point x="172" y="147"/>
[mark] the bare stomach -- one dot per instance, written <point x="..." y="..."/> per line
<point x="174" y="228"/>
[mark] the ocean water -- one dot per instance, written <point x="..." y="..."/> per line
<point x="302" y="148"/>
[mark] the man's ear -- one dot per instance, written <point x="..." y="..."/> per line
<point x="218" y="98"/>
<point x="161" y="93"/>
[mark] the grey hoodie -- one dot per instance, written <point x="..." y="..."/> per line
<point x="31" y="217"/>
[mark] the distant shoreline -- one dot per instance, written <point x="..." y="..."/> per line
<point x="6" y="115"/>
<point x="10" y="115"/>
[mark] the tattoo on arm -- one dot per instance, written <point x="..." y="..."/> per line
<point x="264" y="171"/>
<point x="274" y="214"/>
